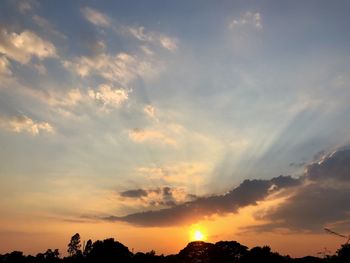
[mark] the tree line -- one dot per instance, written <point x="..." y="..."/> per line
<point x="112" y="251"/>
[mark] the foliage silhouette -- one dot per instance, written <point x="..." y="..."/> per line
<point x="109" y="250"/>
<point x="74" y="246"/>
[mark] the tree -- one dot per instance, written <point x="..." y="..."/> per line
<point x="88" y="247"/>
<point x="109" y="251"/>
<point x="344" y="253"/>
<point x="74" y="245"/>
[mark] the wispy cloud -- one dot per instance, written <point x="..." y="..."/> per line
<point x="25" y="6"/>
<point x="121" y="68"/>
<point x="5" y="66"/>
<point x="168" y="43"/>
<point x="155" y="38"/>
<point x="47" y="26"/>
<point x="247" y="19"/>
<point x="151" y="135"/>
<point x="23" y="46"/>
<point x="175" y="173"/>
<point x="150" y="111"/>
<point x="95" y="17"/>
<point x="70" y="98"/>
<point x="23" y="123"/>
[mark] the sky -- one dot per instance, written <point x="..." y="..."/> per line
<point x="149" y="120"/>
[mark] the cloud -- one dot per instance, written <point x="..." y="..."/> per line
<point x="109" y="96"/>
<point x="70" y="98"/>
<point x="175" y="173"/>
<point x="56" y="97"/>
<point x="321" y="201"/>
<point x="95" y="17"/>
<point x="22" y="47"/>
<point x="153" y="135"/>
<point x="164" y="41"/>
<point x="25" y="124"/>
<point x="5" y="66"/>
<point x="155" y="197"/>
<point x="139" y="33"/>
<point x="47" y="26"/>
<point x="24" y="6"/>
<point x="168" y="43"/>
<point x="248" y="193"/>
<point x="121" y="68"/>
<point x="134" y="193"/>
<point x="150" y="111"/>
<point x="247" y="19"/>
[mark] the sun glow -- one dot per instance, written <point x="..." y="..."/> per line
<point x="197" y="234"/>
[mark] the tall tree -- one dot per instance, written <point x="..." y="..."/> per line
<point x="74" y="245"/>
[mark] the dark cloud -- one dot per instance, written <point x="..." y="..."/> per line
<point x="335" y="166"/>
<point x="160" y="196"/>
<point x="297" y="165"/>
<point x="317" y="199"/>
<point x="134" y="193"/>
<point x="322" y="200"/>
<point x="248" y="193"/>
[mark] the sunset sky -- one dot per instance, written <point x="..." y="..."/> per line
<point x="147" y="121"/>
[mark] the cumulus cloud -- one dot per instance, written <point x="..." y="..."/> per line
<point x="248" y="193"/>
<point x="23" y="46"/>
<point x="247" y="19"/>
<point x="109" y="96"/>
<point x="95" y="17"/>
<point x="153" y="135"/>
<point x="121" y="68"/>
<point x="25" y="124"/>
<point x="321" y="201"/>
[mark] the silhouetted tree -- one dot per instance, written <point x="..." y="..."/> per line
<point x="263" y="254"/>
<point x="15" y="257"/>
<point x="343" y="253"/>
<point x="74" y="245"/>
<point x="227" y="251"/>
<point x="109" y="250"/>
<point x="88" y="247"/>
<point x="194" y="252"/>
<point x="149" y="257"/>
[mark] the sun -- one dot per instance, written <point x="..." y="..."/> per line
<point x="197" y="234"/>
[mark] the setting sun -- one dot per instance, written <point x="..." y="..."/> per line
<point x="197" y="234"/>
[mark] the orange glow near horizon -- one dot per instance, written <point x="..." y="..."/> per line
<point x="197" y="234"/>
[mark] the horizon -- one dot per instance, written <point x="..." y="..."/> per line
<point x="143" y="121"/>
